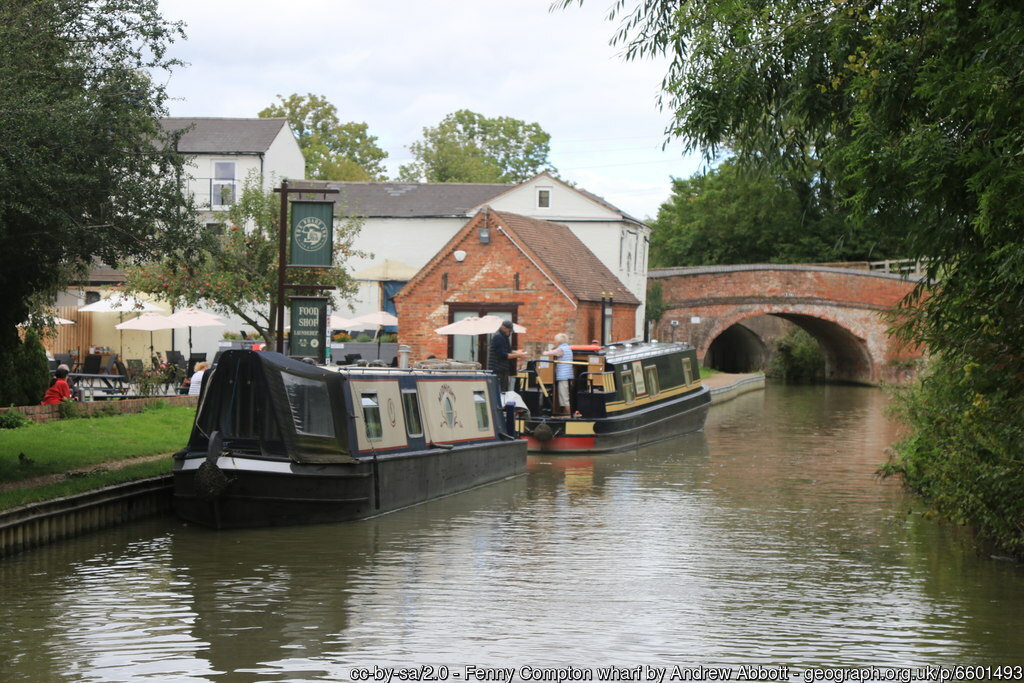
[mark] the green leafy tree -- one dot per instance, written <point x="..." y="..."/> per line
<point x="237" y="272"/>
<point x="32" y="369"/>
<point x="333" y="150"/>
<point x="87" y="172"/>
<point x="736" y="214"/>
<point x="467" y="147"/>
<point x="914" y="110"/>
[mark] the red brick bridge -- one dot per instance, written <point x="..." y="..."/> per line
<point x="722" y="311"/>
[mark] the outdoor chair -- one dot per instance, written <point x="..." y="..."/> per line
<point x="192" y="360"/>
<point x="135" y="368"/>
<point x="91" y="365"/>
<point x="176" y="359"/>
<point x="110" y="364"/>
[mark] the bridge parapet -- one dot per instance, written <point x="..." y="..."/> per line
<point x="845" y="309"/>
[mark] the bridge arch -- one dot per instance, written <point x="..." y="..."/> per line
<point x="843" y="308"/>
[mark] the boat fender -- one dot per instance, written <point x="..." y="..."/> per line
<point x="210" y="480"/>
<point x="542" y="432"/>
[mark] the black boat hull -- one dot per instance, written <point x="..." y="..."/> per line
<point x="251" y="491"/>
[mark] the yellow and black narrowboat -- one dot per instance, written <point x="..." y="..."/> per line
<point x="624" y="395"/>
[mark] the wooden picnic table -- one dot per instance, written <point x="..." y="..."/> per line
<point x="106" y="384"/>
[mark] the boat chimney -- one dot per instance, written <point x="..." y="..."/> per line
<point x="403" y="356"/>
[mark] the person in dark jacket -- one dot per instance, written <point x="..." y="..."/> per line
<point x="502" y="360"/>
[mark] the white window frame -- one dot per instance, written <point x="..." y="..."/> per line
<point x="217" y="184"/>
<point x="544" y="192"/>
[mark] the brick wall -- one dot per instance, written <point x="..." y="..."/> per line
<point x="131" y="405"/>
<point x="844" y="309"/>
<point x="500" y="275"/>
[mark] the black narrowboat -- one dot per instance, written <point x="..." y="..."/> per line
<point x="624" y="395"/>
<point x="278" y="441"/>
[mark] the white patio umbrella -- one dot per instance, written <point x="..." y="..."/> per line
<point x="56" y="320"/>
<point x="119" y="303"/>
<point x="336" y="322"/>
<point x="193" y="317"/>
<point x="375" y="319"/>
<point x="151" y="322"/>
<point x="473" y="325"/>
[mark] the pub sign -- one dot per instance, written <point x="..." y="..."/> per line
<point x="309" y="327"/>
<point x="312" y="240"/>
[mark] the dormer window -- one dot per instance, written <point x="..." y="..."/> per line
<point x="543" y="197"/>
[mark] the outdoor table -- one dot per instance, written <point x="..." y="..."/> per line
<point x="105" y="384"/>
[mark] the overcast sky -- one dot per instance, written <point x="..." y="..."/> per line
<point x="401" y="65"/>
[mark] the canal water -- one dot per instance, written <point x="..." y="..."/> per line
<point x="766" y="541"/>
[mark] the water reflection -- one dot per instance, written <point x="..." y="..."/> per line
<point x="767" y="539"/>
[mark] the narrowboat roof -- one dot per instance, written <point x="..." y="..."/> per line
<point x="628" y="352"/>
<point x="265" y="402"/>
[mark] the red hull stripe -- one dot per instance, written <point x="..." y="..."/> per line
<point x="562" y="443"/>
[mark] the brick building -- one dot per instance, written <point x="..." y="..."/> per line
<point x="535" y="272"/>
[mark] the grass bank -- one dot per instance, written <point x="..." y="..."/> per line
<point x="55" y="459"/>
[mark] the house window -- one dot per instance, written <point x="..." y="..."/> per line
<point x="480" y="401"/>
<point x="223" y="184"/>
<point x="543" y="198"/>
<point x="515" y="282"/>
<point x="444" y="281"/>
<point x="215" y="229"/>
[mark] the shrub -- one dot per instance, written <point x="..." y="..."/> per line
<point x="962" y="456"/>
<point x="67" y="408"/>
<point x="12" y="419"/>
<point x="798" y="358"/>
<point x="33" y="370"/>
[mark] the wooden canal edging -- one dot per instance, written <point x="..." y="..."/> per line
<point x="38" y="524"/>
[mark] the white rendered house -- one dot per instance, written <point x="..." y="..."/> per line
<point x="407" y="223"/>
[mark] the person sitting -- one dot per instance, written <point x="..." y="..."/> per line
<point x="195" y="384"/>
<point x="59" y="389"/>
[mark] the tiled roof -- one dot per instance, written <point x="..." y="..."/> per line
<point x="225" y="136"/>
<point x="569" y="259"/>
<point x="409" y="200"/>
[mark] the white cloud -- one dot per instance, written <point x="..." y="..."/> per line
<point x="401" y="65"/>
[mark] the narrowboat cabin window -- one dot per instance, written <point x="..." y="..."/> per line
<point x="480" y="401"/>
<point x="628" y="392"/>
<point x="651" y="373"/>
<point x="310" y="405"/>
<point x="413" y="423"/>
<point x="687" y="372"/>
<point x="638" y="376"/>
<point x="371" y="416"/>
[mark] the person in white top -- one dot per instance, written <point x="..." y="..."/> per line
<point x="196" y="383"/>
<point x="562" y="355"/>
